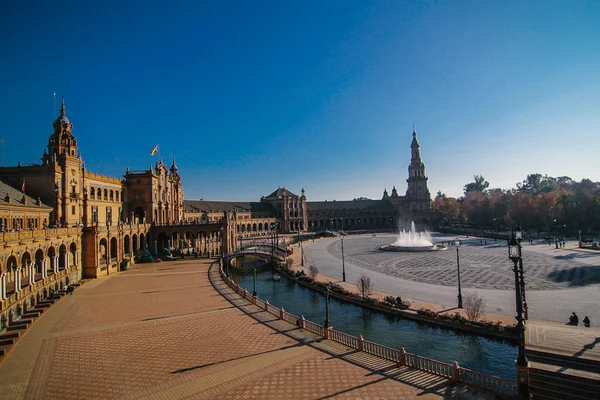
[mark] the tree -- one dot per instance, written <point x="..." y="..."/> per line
<point x="474" y="306"/>
<point x="365" y="286"/>
<point x="479" y="185"/>
<point x="313" y="272"/>
<point x="440" y="195"/>
<point x="446" y="208"/>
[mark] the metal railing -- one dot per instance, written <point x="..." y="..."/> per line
<point x="450" y="371"/>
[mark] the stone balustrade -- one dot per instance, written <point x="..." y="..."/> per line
<point x="452" y="371"/>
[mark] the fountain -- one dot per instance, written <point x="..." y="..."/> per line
<point x="413" y="241"/>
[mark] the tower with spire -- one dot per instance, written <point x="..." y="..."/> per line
<point x="418" y="198"/>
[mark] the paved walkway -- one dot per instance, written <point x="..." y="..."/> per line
<point x="559" y="281"/>
<point x="162" y="331"/>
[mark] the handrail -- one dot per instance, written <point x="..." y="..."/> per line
<point x="452" y="372"/>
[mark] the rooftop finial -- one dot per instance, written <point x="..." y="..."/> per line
<point x="62" y="107"/>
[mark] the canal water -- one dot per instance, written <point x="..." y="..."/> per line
<point x="490" y="356"/>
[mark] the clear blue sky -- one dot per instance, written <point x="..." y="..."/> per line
<point x="252" y="95"/>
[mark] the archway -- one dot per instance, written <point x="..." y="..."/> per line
<point x="134" y="239"/>
<point x="25" y="263"/>
<point x="39" y="264"/>
<point x="102" y="251"/>
<point x="161" y="241"/>
<point x="139" y="215"/>
<point x="142" y="242"/>
<point x="62" y="257"/>
<point x="52" y="257"/>
<point x="11" y="269"/>
<point x="73" y="254"/>
<point x="126" y="244"/>
<point x="113" y="249"/>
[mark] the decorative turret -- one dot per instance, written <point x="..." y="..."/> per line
<point x="61" y="141"/>
<point x="417" y="192"/>
<point x="385" y="194"/>
<point x="394" y="192"/>
<point x="174" y="170"/>
<point x="303" y="194"/>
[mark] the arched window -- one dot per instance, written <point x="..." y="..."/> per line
<point x="105" y="194"/>
<point x="117" y="195"/>
<point x="112" y="197"/>
<point x="92" y="193"/>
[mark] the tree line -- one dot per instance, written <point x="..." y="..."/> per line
<point x="540" y="202"/>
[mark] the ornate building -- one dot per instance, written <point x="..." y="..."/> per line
<point x="67" y="223"/>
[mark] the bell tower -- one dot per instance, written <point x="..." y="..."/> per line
<point x="66" y="166"/>
<point x="417" y="192"/>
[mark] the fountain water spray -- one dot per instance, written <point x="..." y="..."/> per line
<point x="412" y="241"/>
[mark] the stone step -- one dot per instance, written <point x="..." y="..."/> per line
<point x="12" y="335"/>
<point x="17" y="328"/>
<point x="550" y="380"/>
<point x="21" y="322"/>
<point x="32" y="314"/>
<point x="7" y="342"/>
<point x="580" y="363"/>
<point x="2" y="352"/>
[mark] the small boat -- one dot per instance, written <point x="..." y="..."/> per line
<point x="276" y="277"/>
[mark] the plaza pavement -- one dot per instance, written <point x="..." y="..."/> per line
<point x="164" y="331"/>
<point x="558" y="281"/>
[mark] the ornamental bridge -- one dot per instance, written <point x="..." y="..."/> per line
<point x="269" y="252"/>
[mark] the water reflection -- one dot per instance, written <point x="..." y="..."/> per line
<point x="495" y="357"/>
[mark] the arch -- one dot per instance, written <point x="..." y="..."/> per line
<point x="73" y="253"/>
<point x="113" y="249"/>
<point x="254" y="227"/>
<point x="62" y="254"/>
<point x="11" y="271"/>
<point x="103" y="251"/>
<point x="142" y="242"/>
<point x="134" y="240"/>
<point x="162" y="241"/>
<point x="52" y="256"/>
<point x="116" y="195"/>
<point x="111" y="195"/>
<point x="92" y="193"/>
<point x="139" y="215"/>
<point x="260" y="226"/>
<point x="39" y="264"/>
<point x="105" y="194"/>
<point x="126" y="244"/>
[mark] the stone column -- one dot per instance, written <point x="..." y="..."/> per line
<point x="55" y="269"/>
<point x="66" y="255"/>
<point x="76" y="256"/>
<point x="31" y="273"/>
<point x="44" y="268"/>
<point x="18" y="280"/>
<point x="2" y="286"/>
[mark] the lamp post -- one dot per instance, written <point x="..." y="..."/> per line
<point x="343" y="263"/>
<point x="514" y="254"/>
<point x="327" y="306"/>
<point x="457" y="244"/>
<point x="519" y="237"/>
<point x="254" y="276"/>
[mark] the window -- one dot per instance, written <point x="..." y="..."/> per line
<point x="108" y="215"/>
<point x="92" y="193"/>
<point x="94" y="213"/>
<point x="72" y="210"/>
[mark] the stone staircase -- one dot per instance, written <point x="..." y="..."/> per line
<point x="17" y="328"/>
<point x="561" y="377"/>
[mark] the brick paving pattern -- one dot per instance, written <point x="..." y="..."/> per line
<point x="482" y="266"/>
<point x="163" y="331"/>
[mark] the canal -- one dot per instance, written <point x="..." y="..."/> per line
<point x="490" y="356"/>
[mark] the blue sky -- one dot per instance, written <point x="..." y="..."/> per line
<point x="249" y="96"/>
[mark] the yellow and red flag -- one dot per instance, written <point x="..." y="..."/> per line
<point x="154" y="150"/>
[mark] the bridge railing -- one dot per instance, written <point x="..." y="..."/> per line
<point x="452" y="372"/>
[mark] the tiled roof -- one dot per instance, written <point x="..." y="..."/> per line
<point x="214" y="206"/>
<point x="282" y="192"/>
<point x="348" y="205"/>
<point x="17" y="197"/>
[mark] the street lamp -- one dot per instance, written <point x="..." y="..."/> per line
<point x="343" y="263"/>
<point x="327" y="306"/>
<point x="254" y="290"/>
<point x="457" y="244"/>
<point x="519" y="237"/>
<point x="514" y="254"/>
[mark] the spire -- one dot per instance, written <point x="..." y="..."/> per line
<point x="415" y="141"/>
<point x="63" y="110"/>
